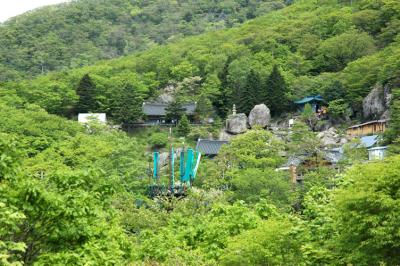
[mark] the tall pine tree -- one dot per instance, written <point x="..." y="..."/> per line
<point x="249" y="95"/>
<point x="224" y="101"/>
<point x="86" y="92"/>
<point x="275" y="93"/>
<point x="128" y="107"/>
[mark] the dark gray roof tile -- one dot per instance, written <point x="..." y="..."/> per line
<point x="209" y="147"/>
<point x="158" y="109"/>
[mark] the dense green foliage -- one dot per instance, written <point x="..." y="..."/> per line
<point x="394" y="125"/>
<point x="82" y="32"/>
<point x="58" y="181"/>
<point x="73" y="194"/>
<point x="366" y="210"/>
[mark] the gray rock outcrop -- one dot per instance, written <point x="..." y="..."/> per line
<point x="259" y="116"/>
<point x="167" y="95"/>
<point x="376" y="102"/>
<point x="329" y="137"/>
<point x="236" y="124"/>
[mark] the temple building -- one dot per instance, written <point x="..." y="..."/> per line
<point x="155" y="113"/>
<point x="315" y="101"/>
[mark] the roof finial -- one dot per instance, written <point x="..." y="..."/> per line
<point x="234" y="109"/>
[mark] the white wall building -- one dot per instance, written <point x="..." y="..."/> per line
<point x="85" y="118"/>
<point x="377" y="153"/>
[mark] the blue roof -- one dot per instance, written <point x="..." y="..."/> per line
<point x="369" y="141"/>
<point x="309" y="99"/>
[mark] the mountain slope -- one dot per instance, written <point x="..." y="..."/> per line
<point x="320" y="47"/>
<point x="81" y="32"/>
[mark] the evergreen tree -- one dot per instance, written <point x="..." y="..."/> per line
<point x="249" y="95"/>
<point x="183" y="126"/>
<point x="128" y="105"/>
<point x="204" y="108"/>
<point x="86" y="92"/>
<point x="174" y="110"/>
<point x="224" y="102"/>
<point x="275" y="90"/>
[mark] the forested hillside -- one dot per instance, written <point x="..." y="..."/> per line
<point x="332" y="48"/>
<point x="81" y="32"/>
<point x="81" y="193"/>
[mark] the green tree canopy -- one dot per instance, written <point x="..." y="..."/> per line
<point x="275" y="92"/>
<point x="128" y="106"/>
<point x="86" y="92"/>
<point x="367" y="211"/>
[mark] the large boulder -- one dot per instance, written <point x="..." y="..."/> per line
<point x="236" y="123"/>
<point x="329" y="137"/>
<point x="223" y="135"/>
<point x="259" y="116"/>
<point x="376" y="102"/>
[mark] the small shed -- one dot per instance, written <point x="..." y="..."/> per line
<point x="377" y="153"/>
<point x="156" y="112"/>
<point x="87" y="117"/>
<point x="371" y="127"/>
<point x="315" y="101"/>
<point x="209" y="147"/>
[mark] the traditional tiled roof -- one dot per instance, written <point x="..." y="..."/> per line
<point x="209" y="147"/>
<point x="158" y="109"/>
<point x="309" y="99"/>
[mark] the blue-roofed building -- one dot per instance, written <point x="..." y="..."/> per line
<point x="369" y="141"/>
<point x="316" y="102"/>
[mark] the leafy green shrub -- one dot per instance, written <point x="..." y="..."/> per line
<point x="338" y="109"/>
<point x="271" y="243"/>
<point x="198" y="133"/>
<point x="158" y="140"/>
